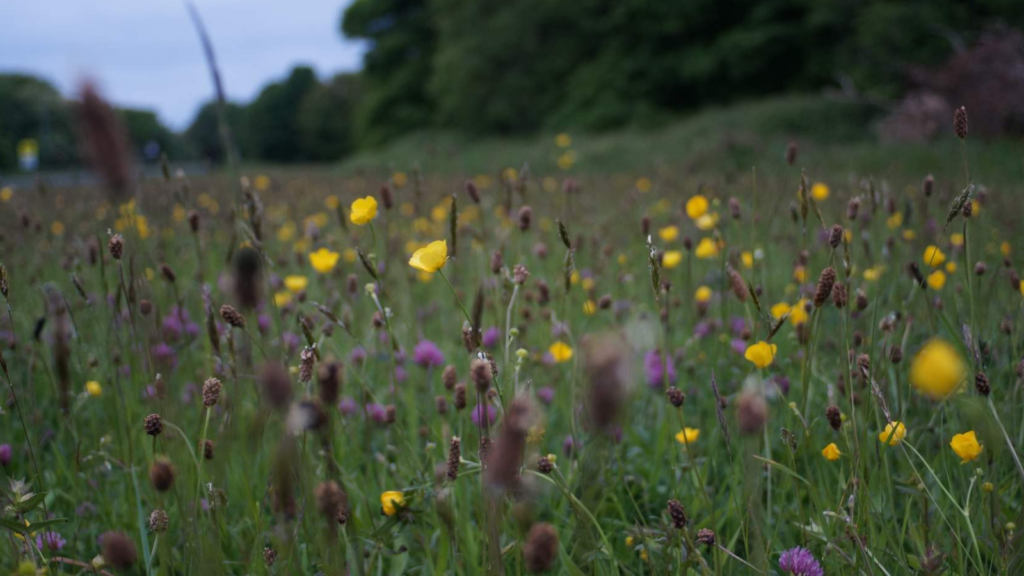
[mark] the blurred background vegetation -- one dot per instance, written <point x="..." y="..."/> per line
<point x="877" y="69"/>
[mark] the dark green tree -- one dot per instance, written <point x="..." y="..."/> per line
<point x="325" y="119"/>
<point x="273" y="118"/>
<point x="32" y="108"/>
<point x="396" y="68"/>
<point x="203" y="139"/>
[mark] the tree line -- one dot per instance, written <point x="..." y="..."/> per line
<point x="522" y="66"/>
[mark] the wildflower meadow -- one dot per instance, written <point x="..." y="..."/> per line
<point x="796" y="367"/>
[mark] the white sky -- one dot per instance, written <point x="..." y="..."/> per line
<point x="146" y="54"/>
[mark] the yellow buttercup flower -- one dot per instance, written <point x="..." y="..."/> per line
<point x="800" y="274"/>
<point x="331" y="202"/>
<point x="282" y="298"/>
<point x="399" y="179"/>
<point x="1004" y="248"/>
<point x="588" y="283"/>
<point x="668" y="233"/>
<point x="363" y="210"/>
<point x="644" y="184"/>
<point x="589" y="307"/>
<point x="431" y="257"/>
<point x="6" y="193"/>
<point x="893" y="434"/>
<point x="324" y="260"/>
<point x="93" y="388"/>
<point x="57" y="228"/>
<point x="707" y="221"/>
<point x="261" y="182"/>
<point x="688" y="435"/>
<point x="563" y="140"/>
<point x="703" y="294"/>
<point x="296" y="283"/>
<point x="894" y="221"/>
<point x="798" y="313"/>
<point x="560" y="351"/>
<point x="966" y="446"/>
<point x="706" y="248"/>
<point x="391" y="502"/>
<point x="933" y="256"/>
<point x="747" y="258"/>
<point x="820" y="191"/>
<point x="937" y="370"/>
<point x="671" y="259"/>
<point x="956" y="239"/>
<point x="350" y="255"/>
<point x="874" y="273"/>
<point x="696" y="206"/>
<point x="831" y="452"/>
<point x="936" y="280"/>
<point x="761" y="354"/>
<point x="951" y="267"/>
<point x="779" y="310"/>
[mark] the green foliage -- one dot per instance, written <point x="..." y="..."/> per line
<point x="523" y="65"/>
<point x="273" y="117"/>
<point x="397" y="67"/>
<point x="32" y="108"/>
<point x="324" y="122"/>
<point x="203" y="135"/>
<point x="144" y="127"/>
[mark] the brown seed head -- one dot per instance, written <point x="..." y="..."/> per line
<point x="330" y="499"/>
<point x="677" y="513"/>
<point x="158" y="521"/>
<point x="751" y="412"/>
<point x="826" y="281"/>
<point x="329" y="378"/>
<point x="116" y="246"/>
<point x="481" y="374"/>
<point x="520" y="274"/>
<point x="276" y="384"/>
<point x="706" y="536"/>
<point x="835" y="236"/>
<point x="544" y="465"/>
<point x="928" y="185"/>
<point x="306" y="359"/>
<point x="541" y="548"/>
<point x="981" y="384"/>
<point x="233" y="317"/>
<point x="154" y="425"/>
<point x="960" y="122"/>
<point x="675" y="396"/>
<point x="791" y="151"/>
<point x="525" y="216"/>
<point x="454" y="458"/>
<point x="211" y="392"/>
<point x="118" y="550"/>
<point x="835" y="419"/>
<point x="839" y="294"/>
<point x="460" y="396"/>
<point x="161" y="474"/>
<point x="473" y="193"/>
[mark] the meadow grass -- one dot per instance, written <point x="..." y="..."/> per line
<point x="671" y="383"/>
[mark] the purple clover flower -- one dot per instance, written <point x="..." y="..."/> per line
<point x="427" y="354"/>
<point x="654" y="368"/>
<point x="52" y="540"/>
<point x="491" y="337"/>
<point x="800" y="562"/>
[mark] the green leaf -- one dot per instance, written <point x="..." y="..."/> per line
<point x="31" y="503"/>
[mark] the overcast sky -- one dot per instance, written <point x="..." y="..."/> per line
<point x="146" y="54"/>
